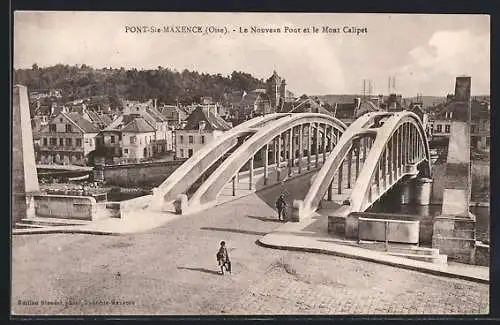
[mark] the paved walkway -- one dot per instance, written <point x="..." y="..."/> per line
<point x="311" y="235"/>
<point x="171" y="270"/>
<point x="308" y="235"/>
<point x="136" y="221"/>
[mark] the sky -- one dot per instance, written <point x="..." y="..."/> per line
<point x="424" y="53"/>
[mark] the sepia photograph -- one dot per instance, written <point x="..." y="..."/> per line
<point x="237" y="163"/>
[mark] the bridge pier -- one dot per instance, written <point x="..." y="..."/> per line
<point x="405" y="192"/>
<point x="423" y="191"/>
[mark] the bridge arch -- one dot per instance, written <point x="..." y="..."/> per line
<point x="186" y="175"/>
<point x="398" y="148"/>
<point x="361" y="126"/>
<point x="332" y="129"/>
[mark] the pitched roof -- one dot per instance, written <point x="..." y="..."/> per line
<point x="459" y="109"/>
<point x="57" y="110"/>
<point x="82" y="123"/>
<point x="250" y="99"/>
<point x="287" y="107"/>
<point x="365" y="107"/>
<point x="344" y="110"/>
<point x="309" y="106"/>
<point x="43" y="110"/>
<point x="106" y="119"/>
<point x="156" y="114"/>
<point x="234" y="97"/>
<point x="138" y="125"/>
<point x="212" y="120"/>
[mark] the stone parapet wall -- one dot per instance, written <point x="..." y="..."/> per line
<point x="140" y="174"/>
<point x="66" y="207"/>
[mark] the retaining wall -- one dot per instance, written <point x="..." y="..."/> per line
<point x="140" y="174"/>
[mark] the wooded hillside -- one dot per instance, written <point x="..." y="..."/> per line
<point x="166" y="85"/>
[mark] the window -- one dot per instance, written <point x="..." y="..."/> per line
<point x="52" y="127"/>
<point x="61" y="120"/>
<point x="120" y="137"/>
<point x="447" y="128"/>
<point x="69" y="142"/>
<point x="112" y="139"/>
<point x="125" y="151"/>
<point x="190" y="152"/>
<point x="69" y="128"/>
<point x="181" y="152"/>
<point x="87" y="140"/>
<point x="488" y="141"/>
<point x="91" y="142"/>
<point x="78" y="142"/>
<point x="191" y="139"/>
<point x="181" y="139"/>
<point x="44" y="141"/>
<point x="439" y="128"/>
<point x="53" y="141"/>
<point x="61" y="142"/>
<point x="202" y="138"/>
<point x="133" y="139"/>
<point x="473" y="128"/>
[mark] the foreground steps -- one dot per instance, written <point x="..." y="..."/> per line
<point x="39" y="222"/>
<point x="413" y="252"/>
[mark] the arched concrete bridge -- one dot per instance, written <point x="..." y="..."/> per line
<point x="392" y="148"/>
<point x="376" y="152"/>
<point x="284" y="143"/>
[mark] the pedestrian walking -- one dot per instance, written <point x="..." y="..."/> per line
<point x="281" y="206"/>
<point x="223" y="258"/>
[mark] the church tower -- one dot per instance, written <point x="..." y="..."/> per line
<point x="275" y="90"/>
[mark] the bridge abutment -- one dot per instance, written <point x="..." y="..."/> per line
<point x="454" y="231"/>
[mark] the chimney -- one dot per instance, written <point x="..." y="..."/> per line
<point x="462" y="89"/>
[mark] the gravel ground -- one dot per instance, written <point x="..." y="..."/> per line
<point x="172" y="270"/>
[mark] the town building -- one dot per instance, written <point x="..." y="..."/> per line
<point x="67" y="139"/>
<point x="202" y="126"/>
<point x="243" y="105"/>
<point x="140" y="133"/>
<point x="173" y="114"/>
<point x="440" y="123"/>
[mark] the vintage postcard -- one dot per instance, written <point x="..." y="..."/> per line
<point x="184" y="163"/>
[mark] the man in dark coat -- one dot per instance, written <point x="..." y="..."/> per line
<point x="281" y="206"/>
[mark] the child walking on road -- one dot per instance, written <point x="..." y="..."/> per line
<point x="223" y="258"/>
